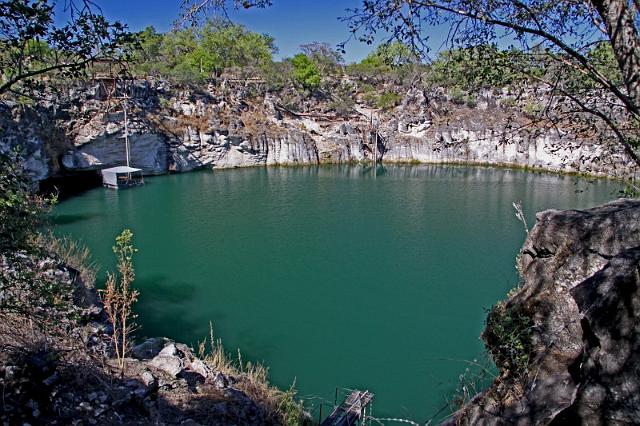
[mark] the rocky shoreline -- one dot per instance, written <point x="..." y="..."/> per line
<point x="566" y="341"/>
<point x="181" y="130"/>
<point x="60" y="369"/>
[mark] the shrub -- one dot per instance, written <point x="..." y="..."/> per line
<point x="457" y="96"/>
<point x="71" y="253"/>
<point x="388" y="100"/>
<point x="118" y="297"/>
<point x="22" y="211"/>
<point x="508" y="337"/>
<point x="532" y="109"/>
<point x="282" y="407"/>
<point x="471" y="101"/>
<point x="306" y="72"/>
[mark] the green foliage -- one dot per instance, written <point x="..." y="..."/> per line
<point x="508" y="337"/>
<point x="605" y="62"/>
<point x="327" y="60"/>
<point x="225" y="45"/>
<point x="343" y="99"/>
<point x="387" y="60"/>
<point x="477" y="68"/>
<point x="388" y="100"/>
<point x="508" y="102"/>
<point x="602" y="58"/>
<point x="630" y="190"/>
<point x="277" y="75"/>
<point x="305" y="72"/>
<point x="194" y="54"/>
<point x="118" y="297"/>
<point x="290" y="409"/>
<point x="33" y="43"/>
<point x="532" y="109"/>
<point x="395" y="54"/>
<point x="457" y="95"/>
<point x="22" y="211"/>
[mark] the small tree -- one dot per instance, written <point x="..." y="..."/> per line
<point x="118" y="296"/>
<point x="21" y="209"/>
<point x="327" y="59"/>
<point x="306" y="72"/>
<point x="34" y="44"/>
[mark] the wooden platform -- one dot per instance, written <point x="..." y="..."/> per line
<point x="351" y="411"/>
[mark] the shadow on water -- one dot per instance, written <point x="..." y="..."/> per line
<point x="71" y="184"/>
<point x="161" y="288"/>
<point x="68" y="219"/>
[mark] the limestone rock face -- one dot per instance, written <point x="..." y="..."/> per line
<point x="176" y="131"/>
<point x="23" y="132"/>
<point x="581" y="292"/>
<point x="100" y="143"/>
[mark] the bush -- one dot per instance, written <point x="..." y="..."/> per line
<point x="508" y="337"/>
<point x="532" y="109"/>
<point x="118" y="297"/>
<point x="306" y="72"/>
<point x="388" y="100"/>
<point x="22" y="211"/>
<point x="457" y="96"/>
<point x="471" y="101"/>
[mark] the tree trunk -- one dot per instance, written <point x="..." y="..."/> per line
<point x="619" y="19"/>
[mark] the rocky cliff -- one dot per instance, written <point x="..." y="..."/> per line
<point x="567" y="342"/>
<point x="181" y="130"/>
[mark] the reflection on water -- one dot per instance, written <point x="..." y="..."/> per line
<point x="332" y="275"/>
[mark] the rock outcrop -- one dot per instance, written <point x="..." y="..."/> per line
<point x="57" y="365"/>
<point x="186" y="130"/>
<point x="567" y="342"/>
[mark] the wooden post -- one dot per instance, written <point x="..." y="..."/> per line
<point x="126" y="132"/>
<point x="375" y="151"/>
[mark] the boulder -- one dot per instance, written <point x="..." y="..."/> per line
<point x="149" y="348"/>
<point x="171" y="365"/>
<point x="579" y="305"/>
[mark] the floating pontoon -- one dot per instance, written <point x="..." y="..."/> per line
<point x="122" y="177"/>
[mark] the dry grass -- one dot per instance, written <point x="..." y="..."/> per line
<point x="253" y="379"/>
<point x="118" y="297"/>
<point x="256" y="123"/>
<point x="71" y="253"/>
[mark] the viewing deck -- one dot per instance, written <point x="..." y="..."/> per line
<point x="351" y="411"/>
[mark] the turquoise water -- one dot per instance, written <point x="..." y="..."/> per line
<point x="330" y="276"/>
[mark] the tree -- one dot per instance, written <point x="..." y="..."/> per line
<point x="22" y="211"/>
<point x="223" y="45"/>
<point x="149" y="49"/>
<point x="395" y="54"/>
<point x="305" y="72"/>
<point x="33" y="45"/>
<point x="194" y="54"/>
<point x="561" y="34"/>
<point x="118" y="296"/>
<point x="327" y="59"/>
<point x="478" y="67"/>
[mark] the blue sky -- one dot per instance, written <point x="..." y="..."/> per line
<point x="291" y="22"/>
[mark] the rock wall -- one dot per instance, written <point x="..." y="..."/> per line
<point x="192" y="130"/>
<point x="581" y="295"/>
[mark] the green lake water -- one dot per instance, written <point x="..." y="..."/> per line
<point x="331" y="276"/>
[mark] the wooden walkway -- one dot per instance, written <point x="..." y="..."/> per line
<point x="351" y="411"/>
